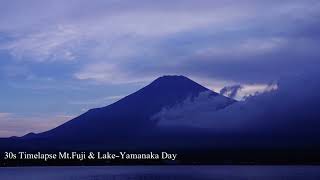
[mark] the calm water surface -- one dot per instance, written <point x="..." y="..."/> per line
<point x="163" y="173"/>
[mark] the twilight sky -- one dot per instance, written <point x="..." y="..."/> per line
<point x="60" y="58"/>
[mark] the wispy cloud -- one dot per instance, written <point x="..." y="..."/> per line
<point x="49" y="45"/>
<point x="121" y="38"/>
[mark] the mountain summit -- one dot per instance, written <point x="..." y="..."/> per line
<point x="131" y="113"/>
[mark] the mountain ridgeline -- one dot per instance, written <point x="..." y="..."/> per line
<point x="126" y="122"/>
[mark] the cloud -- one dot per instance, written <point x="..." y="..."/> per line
<point x="249" y="90"/>
<point x="241" y="92"/>
<point x="205" y="101"/>
<point x="230" y="91"/>
<point x="50" y="45"/>
<point x="290" y="109"/>
<point x="105" y="31"/>
<point x="236" y="41"/>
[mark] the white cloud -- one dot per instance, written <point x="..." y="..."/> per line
<point x="254" y="89"/>
<point x="245" y="91"/>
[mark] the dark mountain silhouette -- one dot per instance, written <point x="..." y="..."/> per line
<point x="127" y="120"/>
<point x="129" y="125"/>
<point x="133" y="112"/>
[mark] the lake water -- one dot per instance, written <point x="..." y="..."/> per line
<point x="163" y="173"/>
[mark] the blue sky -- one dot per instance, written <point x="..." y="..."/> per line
<point x="60" y="58"/>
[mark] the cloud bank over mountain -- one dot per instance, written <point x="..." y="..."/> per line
<point x="292" y="108"/>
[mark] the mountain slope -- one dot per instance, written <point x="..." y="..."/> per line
<point x="131" y="113"/>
